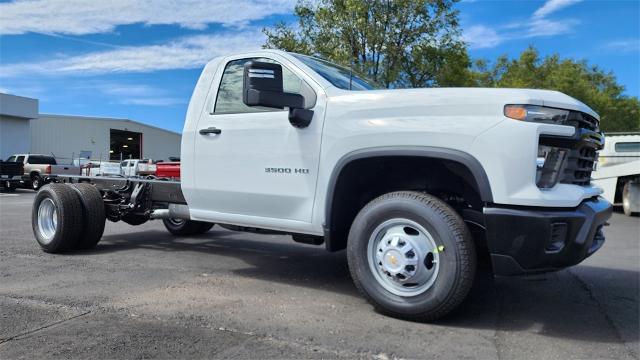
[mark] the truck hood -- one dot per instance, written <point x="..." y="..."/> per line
<point x="461" y="99"/>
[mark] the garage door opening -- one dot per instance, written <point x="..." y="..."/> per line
<point x="125" y="145"/>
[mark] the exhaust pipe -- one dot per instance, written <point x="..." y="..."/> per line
<point x="175" y="211"/>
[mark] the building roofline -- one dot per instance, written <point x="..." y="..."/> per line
<point x="41" y="115"/>
<point x="18" y="107"/>
<point x="20" y="96"/>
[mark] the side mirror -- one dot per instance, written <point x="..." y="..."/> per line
<point x="262" y="86"/>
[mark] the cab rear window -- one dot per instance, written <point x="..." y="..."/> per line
<point x="41" y="160"/>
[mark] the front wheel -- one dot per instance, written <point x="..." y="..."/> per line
<point x="411" y="255"/>
<point x="181" y="227"/>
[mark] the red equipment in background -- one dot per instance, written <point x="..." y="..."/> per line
<point x="168" y="170"/>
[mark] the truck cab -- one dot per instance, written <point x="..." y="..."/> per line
<point x="239" y="160"/>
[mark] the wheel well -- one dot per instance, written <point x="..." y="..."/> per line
<point x="362" y="180"/>
<point x="33" y="173"/>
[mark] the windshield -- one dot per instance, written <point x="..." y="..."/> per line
<point x="340" y="77"/>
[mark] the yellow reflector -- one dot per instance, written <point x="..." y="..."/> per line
<point x="517" y="112"/>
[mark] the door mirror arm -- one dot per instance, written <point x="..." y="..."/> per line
<point x="300" y="118"/>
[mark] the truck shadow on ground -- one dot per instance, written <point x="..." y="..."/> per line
<point x="552" y="305"/>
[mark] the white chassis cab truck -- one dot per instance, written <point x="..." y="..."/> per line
<point x="415" y="184"/>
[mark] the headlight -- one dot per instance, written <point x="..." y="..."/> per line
<point x="536" y="113"/>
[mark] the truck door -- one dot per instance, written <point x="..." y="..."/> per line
<point x="250" y="161"/>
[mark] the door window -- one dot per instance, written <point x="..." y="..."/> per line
<point x="229" y="99"/>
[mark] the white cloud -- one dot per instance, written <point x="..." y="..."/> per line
<point x="537" y="25"/>
<point x="625" y="45"/>
<point x="151" y="101"/>
<point x="136" y="94"/>
<point x="552" y="6"/>
<point x="183" y="53"/>
<point x="481" y="37"/>
<point x="545" y="27"/>
<point x="79" y="17"/>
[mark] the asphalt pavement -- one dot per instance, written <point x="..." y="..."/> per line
<point x="143" y="293"/>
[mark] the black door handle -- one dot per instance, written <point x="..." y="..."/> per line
<point x="210" y="130"/>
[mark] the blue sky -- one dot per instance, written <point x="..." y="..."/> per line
<point x="139" y="59"/>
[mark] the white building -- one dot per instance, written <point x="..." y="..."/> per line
<point x="15" y="115"/>
<point x="24" y="130"/>
<point x="68" y="136"/>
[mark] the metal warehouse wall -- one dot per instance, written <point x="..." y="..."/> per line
<point x="14" y="136"/>
<point x="15" y="115"/>
<point x="65" y="135"/>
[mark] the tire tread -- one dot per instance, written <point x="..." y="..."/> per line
<point x="94" y="215"/>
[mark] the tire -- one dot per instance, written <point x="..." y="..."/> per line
<point x="94" y="215"/>
<point x="36" y="182"/>
<point x="186" y="227"/>
<point x="626" y="199"/>
<point x="57" y="218"/>
<point x="441" y="250"/>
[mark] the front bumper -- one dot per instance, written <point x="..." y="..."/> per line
<point x="524" y="240"/>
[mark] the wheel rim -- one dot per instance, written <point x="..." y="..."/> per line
<point x="403" y="257"/>
<point x="36" y="183"/>
<point x="47" y="220"/>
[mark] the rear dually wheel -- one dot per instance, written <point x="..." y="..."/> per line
<point x="57" y="218"/>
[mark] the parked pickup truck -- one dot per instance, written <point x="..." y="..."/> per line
<point x="415" y="184"/>
<point x="10" y="174"/>
<point x="102" y="168"/>
<point x="137" y="167"/>
<point x="38" y="167"/>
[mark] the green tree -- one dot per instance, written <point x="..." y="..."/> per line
<point x="589" y="84"/>
<point x="398" y="43"/>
